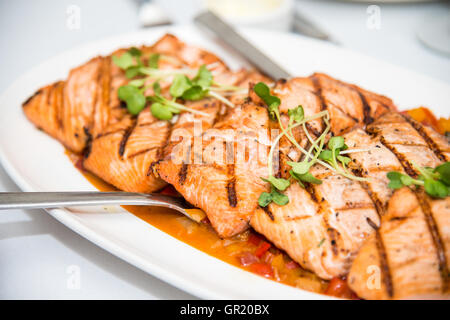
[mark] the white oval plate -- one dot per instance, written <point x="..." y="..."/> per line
<point x="38" y="163"/>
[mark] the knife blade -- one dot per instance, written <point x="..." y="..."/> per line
<point x="232" y="38"/>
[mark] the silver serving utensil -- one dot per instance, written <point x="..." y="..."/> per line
<point x="302" y="25"/>
<point x="36" y="200"/>
<point x="229" y="35"/>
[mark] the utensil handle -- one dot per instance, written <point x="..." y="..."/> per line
<point x="34" y="200"/>
<point x="245" y="48"/>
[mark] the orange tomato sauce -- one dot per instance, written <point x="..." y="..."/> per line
<point x="249" y="250"/>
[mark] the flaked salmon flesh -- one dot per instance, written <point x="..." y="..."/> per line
<point x="389" y="245"/>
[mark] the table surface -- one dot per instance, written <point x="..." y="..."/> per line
<point x="39" y="257"/>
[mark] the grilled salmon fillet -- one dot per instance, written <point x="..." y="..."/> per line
<point x="124" y="157"/>
<point x="323" y="226"/>
<point x="219" y="182"/>
<point x="389" y="245"/>
<point x="65" y="109"/>
<point x="235" y="188"/>
<point x="408" y="255"/>
<point x="403" y="260"/>
<point x="122" y="154"/>
<point x="85" y="114"/>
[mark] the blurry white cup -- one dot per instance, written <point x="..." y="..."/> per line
<point x="268" y="14"/>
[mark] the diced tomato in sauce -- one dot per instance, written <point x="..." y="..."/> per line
<point x="338" y="287"/>
<point x="254" y="239"/>
<point x="262" y="269"/>
<point x="263" y="247"/>
<point x="247" y="258"/>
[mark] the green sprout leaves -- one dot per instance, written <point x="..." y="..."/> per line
<point x="180" y="84"/>
<point x="277" y="197"/>
<point x="203" y="78"/>
<point x="276" y="185"/>
<point x="131" y="62"/>
<point x="297" y="114"/>
<point x="436" y="188"/>
<point x="305" y="177"/>
<point x="332" y="156"/>
<point x="195" y="89"/>
<point x="444" y="173"/>
<point x="199" y="87"/>
<point x="336" y="143"/>
<point x="161" y="111"/>
<point x="300" y="167"/>
<point x="265" y="199"/>
<point x="133" y="97"/>
<point x="162" y="108"/>
<point x="153" y="60"/>
<point x="125" y="61"/>
<point x="272" y="102"/>
<point x="436" y="182"/>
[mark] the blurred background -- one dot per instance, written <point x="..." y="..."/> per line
<point x="37" y="252"/>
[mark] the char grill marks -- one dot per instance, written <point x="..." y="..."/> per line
<point x="409" y="249"/>
<point x="142" y="143"/>
<point x="348" y="104"/>
<point x="404" y="141"/>
<point x="374" y="162"/>
<point x="84" y="113"/>
<point x="224" y="169"/>
<point x="439" y="144"/>
<point x="123" y="155"/>
<point x="65" y="109"/>
<point x="410" y="227"/>
<point x="323" y="226"/>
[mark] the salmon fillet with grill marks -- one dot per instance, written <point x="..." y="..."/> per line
<point x="65" y="109"/>
<point x="124" y="158"/>
<point x="408" y="255"/>
<point x="216" y="179"/>
<point x="348" y="104"/>
<point x="401" y="260"/>
<point x="374" y="162"/>
<point x="123" y="155"/>
<point x="209" y="187"/>
<point x="398" y="135"/>
<point x="85" y="114"/>
<point x="323" y="226"/>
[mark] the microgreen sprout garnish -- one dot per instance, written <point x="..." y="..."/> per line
<point x="300" y="170"/>
<point x="272" y="102"/>
<point x="436" y="182"/>
<point x="321" y="243"/>
<point x="277" y="197"/>
<point x="330" y="158"/>
<point x="164" y="109"/>
<point x="278" y="183"/>
<point x="133" y="97"/>
<point x="182" y="87"/>
<point x="336" y="160"/>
